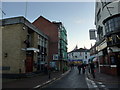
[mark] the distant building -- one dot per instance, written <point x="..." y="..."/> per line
<point x="107" y="21"/>
<point x="57" y="41"/>
<point x="24" y="47"/>
<point x="79" y="56"/>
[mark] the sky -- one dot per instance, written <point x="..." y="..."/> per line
<point x="77" y="17"/>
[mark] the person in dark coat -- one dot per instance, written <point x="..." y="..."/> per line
<point x="79" y="68"/>
<point x="92" y="67"/>
<point x="83" y="68"/>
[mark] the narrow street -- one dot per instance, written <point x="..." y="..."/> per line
<point x="71" y="80"/>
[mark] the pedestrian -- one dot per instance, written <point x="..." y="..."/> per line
<point x="89" y="69"/>
<point x="46" y="68"/>
<point x="92" y="67"/>
<point x="49" y="71"/>
<point x="83" y="68"/>
<point x="71" y="65"/>
<point x="79" y="68"/>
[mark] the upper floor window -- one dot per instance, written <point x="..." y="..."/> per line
<point x="100" y="32"/>
<point x="112" y="24"/>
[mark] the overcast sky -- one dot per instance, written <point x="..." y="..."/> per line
<point x="77" y="17"/>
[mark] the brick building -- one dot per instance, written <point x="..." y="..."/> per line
<point x="53" y="30"/>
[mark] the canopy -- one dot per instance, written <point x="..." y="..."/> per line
<point x="95" y="59"/>
<point x="91" y="58"/>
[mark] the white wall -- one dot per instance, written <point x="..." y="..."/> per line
<point x="71" y="56"/>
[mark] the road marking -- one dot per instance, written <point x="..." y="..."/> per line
<point x="102" y="85"/>
<point x="91" y="84"/>
<point x="99" y="83"/>
<point x="37" y="86"/>
<point x="95" y="86"/>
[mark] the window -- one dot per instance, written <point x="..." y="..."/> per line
<point x="100" y="32"/>
<point x="112" y="24"/>
<point x="112" y="59"/>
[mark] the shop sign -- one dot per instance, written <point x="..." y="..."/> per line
<point x="55" y="56"/>
<point x="115" y="49"/>
<point x="92" y="34"/>
<point x="100" y="53"/>
<point x="102" y="45"/>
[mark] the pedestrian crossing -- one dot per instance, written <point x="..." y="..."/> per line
<point x="95" y="85"/>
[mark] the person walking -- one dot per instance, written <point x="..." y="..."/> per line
<point x="83" y="68"/>
<point x="92" y="67"/>
<point x="79" y="68"/>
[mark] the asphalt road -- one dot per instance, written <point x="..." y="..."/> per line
<point x="71" y="80"/>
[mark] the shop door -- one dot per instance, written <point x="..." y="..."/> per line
<point x="29" y="64"/>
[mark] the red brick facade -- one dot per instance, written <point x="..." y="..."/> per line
<point x="51" y="31"/>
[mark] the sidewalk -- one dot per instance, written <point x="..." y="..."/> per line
<point x="105" y="78"/>
<point x="33" y="82"/>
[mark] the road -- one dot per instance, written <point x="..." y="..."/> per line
<point x="72" y="80"/>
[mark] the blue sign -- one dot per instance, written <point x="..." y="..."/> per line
<point x="76" y="60"/>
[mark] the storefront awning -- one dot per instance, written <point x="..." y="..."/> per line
<point x="31" y="49"/>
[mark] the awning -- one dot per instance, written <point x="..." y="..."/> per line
<point x="92" y="57"/>
<point x="31" y="49"/>
<point x="95" y="59"/>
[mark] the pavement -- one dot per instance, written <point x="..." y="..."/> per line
<point x="102" y="77"/>
<point x="109" y="81"/>
<point x="33" y="82"/>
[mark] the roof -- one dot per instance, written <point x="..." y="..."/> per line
<point x="80" y="50"/>
<point x="21" y="20"/>
<point x="42" y="18"/>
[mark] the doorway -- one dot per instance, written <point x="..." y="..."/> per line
<point x="29" y="62"/>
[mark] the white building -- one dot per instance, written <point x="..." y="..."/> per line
<point x="79" y="56"/>
<point x="107" y="21"/>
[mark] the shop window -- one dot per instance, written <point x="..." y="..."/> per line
<point x="75" y="56"/>
<point x="112" y="59"/>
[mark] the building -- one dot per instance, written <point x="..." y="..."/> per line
<point x="79" y="56"/>
<point x="107" y="21"/>
<point x="24" y="47"/>
<point x="62" y="45"/>
<point x="57" y="41"/>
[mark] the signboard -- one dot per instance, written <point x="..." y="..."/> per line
<point x="102" y="45"/>
<point x="55" y="56"/>
<point x="92" y="34"/>
<point x="76" y="60"/>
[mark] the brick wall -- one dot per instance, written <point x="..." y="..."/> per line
<point x="51" y="31"/>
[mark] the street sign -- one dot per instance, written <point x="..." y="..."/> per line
<point x="92" y="34"/>
<point x="55" y="56"/>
